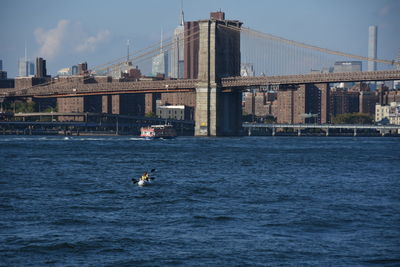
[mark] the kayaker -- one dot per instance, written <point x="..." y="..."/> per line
<point x="145" y="177"/>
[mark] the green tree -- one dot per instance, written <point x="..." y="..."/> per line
<point x="269" y="119"/>
<point x="353" y="118"/>
<point x="150" y="114"/>
<point x="24" y="107"/>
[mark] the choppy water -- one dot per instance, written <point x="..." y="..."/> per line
<point x="256" y="201"/>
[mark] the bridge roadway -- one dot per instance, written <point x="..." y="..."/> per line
<point x="61" y="89"/>
<point x="364" y="76"/>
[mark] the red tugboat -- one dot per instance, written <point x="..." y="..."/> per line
<point x="158" y="131"/>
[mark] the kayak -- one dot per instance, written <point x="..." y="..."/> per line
<point x="143" y="182"/>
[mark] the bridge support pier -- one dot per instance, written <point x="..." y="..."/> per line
<point x="273" y="131"/>
<point x="327" y="132"/>
<point x="299" y="132"/>
<point x="355" y="132"/>
<point x="218" y="113"/>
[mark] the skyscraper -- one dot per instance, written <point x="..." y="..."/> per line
<point x="25" y="68"/>
<point x="178" y="47"/>
<point x="160" y="64"/>
<point x="372" y="46"/>
<point x="41" y="70"/>
<point x="160" y="61"/>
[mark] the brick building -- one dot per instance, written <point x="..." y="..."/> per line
<point x="294" y="103"/>
<point x="342" y="101"/>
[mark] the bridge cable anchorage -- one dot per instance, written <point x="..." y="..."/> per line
<point x="135" y="57"/>
<point x="308" y="46"/>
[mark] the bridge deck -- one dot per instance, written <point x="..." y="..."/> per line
<point x="59" y="89"/>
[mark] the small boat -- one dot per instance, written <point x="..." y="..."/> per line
<point x="143" y="182"/>
<point x="165" y="131"/>
<point x="140" y="182"/>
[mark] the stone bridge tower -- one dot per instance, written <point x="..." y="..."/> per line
<point x="218" y="112"/>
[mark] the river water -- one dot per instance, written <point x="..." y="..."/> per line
<point x="250" y="201"/>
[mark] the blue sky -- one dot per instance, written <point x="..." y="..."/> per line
<point x="69" y="32"/>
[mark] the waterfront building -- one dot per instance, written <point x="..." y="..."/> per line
<point x="177" y="52"/>
<point x="381" y="112"/>
<point x="293" y="104"/>
<point x="176" y="112"/>
<point x="390" y="112"/>
<point x="260" y="104"/>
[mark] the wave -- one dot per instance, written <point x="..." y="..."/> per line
<point x="214" y="218"/>
<point x="68" y="222"/>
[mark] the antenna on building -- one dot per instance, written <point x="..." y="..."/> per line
<point x="182" y="22"/>
<point x="26" y="53"/>
<point x="161" y="47"/>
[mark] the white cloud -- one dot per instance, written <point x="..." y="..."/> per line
<point x="89" y="44"/>
<point x="51" y="41"/>
<point x="68" y="37"/>
<point x="384" y="11"/>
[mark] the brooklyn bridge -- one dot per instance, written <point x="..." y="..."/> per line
<point x="213" y="52"/>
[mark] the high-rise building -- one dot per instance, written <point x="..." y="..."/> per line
<point x="25" y="68"/>
<point x="3" y="75"/>
<point x="41" y="70"/>
<point x="396" y="84"/>
<point x="347" y="66"/>
<point x="177" y="53"/>
<point x="82" y="68"/>
<point x="74" y="70"/>
<point x="372" y="46"/>
<point x="246" y="70"/>
<point x="160" y="64"/>
<point x="160" y="61"/>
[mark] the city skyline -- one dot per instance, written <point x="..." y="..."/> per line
<point x="67" y="35"/>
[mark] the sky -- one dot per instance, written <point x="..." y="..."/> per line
<point x="66" y="33"/>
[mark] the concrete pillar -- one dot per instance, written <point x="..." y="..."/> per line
<point x="327" y="132"/>
<point x="299" y="132"/>
<point x="273" y="131"/>
<point x="115" y="104"/>
<point x="217" y="113"/>
<point x="105" y="104"/>
<point x="355" y="132"/>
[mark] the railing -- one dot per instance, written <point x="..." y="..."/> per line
<point x="321" y="126"/>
